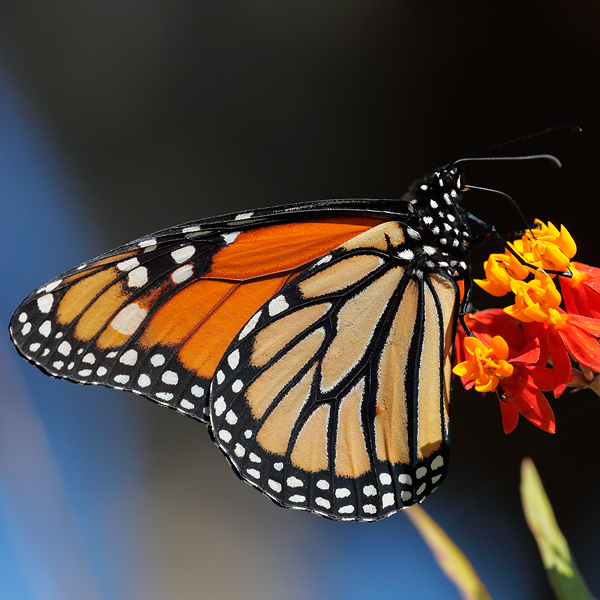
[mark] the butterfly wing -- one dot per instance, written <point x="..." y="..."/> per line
<point x="155" y="316"/>
<point x="334" y="397"/>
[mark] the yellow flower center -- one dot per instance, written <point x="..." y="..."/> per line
<point x="577" y="277"/>
<point x="487" y="366"/>
<point x="537" y="300"/>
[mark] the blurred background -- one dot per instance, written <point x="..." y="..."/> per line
<point x="122" y="118"/>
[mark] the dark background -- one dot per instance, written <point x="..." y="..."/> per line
<point x="123" y="118"/>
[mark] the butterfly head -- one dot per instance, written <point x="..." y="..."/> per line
<point x="445" y="185"/>
<point x="435" y="211"/>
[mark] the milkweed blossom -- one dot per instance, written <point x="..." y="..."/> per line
<point x="581" y="292"/>
<point x="546" y="340"/>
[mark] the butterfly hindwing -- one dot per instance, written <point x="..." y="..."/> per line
<point x="155" y="316"/>
<point x="334" y="396"/>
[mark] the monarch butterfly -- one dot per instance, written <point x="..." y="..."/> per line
<point x="315" y="340"/>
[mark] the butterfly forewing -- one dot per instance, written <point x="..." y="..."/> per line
<point x="334" y="397"/>
<point x="155" y="316"/>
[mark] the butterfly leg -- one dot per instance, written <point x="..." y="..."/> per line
<point x="491" y="232"/>
<point x="463" y="308"/>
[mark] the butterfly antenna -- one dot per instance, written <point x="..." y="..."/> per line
<point x="475" y="187"/>
<point x="519" y="139"/>
<point x="549" y="157"/>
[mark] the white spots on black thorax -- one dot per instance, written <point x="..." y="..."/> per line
<point x="436" y="213"/>
<point x="413" y="234"/>
<point x="406" y="254"/>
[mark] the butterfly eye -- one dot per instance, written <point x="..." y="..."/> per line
<point x="449" y="179"/>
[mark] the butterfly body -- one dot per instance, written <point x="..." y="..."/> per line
<point x="314" y="339"/>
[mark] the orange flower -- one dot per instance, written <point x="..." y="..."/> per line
<point x="560" y="333"/>
<point x="489" y="366"/>
<point x="534" y="330"/>
<point x="545" y="247"/>
<point x="485" y="366"/>
<point x="535" y="300"/>
<point x="500" y="270"/>
<point x="581" y="292"/>
<point x="573" y="335"/>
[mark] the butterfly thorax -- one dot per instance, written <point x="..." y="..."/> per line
<point x="437" y="222"/>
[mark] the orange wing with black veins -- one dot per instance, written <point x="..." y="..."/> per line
<point x="154" y="317"/>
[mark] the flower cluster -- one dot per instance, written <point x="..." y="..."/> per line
<point x="534" y="345"/>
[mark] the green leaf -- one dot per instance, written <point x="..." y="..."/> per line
<point x="556" y="556"/>
<point x="450" y="559"/>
